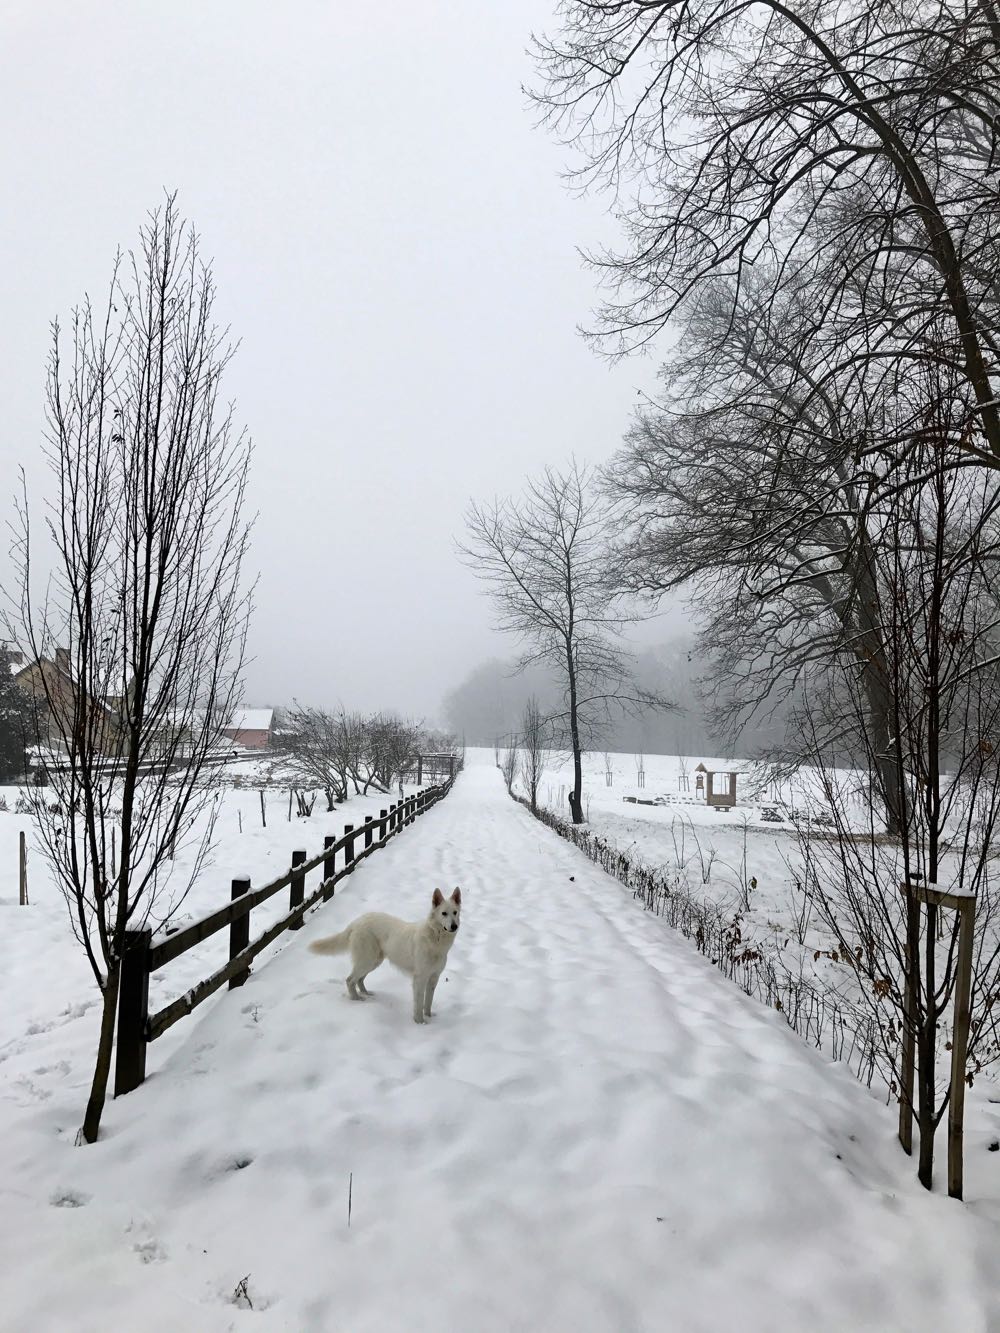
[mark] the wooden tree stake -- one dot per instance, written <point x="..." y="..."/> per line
<point x="22" y="870"/>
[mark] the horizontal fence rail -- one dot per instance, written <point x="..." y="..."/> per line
<point x="137" y="1027"/>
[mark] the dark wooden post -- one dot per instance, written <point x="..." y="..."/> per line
<point x="348" y="845"/>
<point x="966" y="908"/>
<point x="451" y="766"/>
<point x="392" y="818"/>
<point x="420" y="770"/>
<point x="297" y="891"/>
<point x="239" y="932"/>
<point x="133" y="1011"/>
<point x="383" y="823"/>
<point x="22" y="870"/>
<point x="369" y="832"/>
<point x="908" y="1053"/>
<point x="329" y="867"/>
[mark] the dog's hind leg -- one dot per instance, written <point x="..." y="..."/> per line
<point x="365" y="957"/>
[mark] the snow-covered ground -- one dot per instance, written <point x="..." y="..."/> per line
<point x="595" y="1132"/>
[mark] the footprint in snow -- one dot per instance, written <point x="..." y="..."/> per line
<point x="67" y="1198"/>
<point x="31" y="1091"/>
<point x="60" y="1067"/>
<point x="149" y="1252"/>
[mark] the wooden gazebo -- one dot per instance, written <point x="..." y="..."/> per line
<point x="720" y="787"/>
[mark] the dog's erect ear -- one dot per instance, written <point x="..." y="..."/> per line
<point x="456" y="897"/>
<point x="438" y="898"/>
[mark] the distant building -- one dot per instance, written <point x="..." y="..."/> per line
<point x="58" y="702"/>
<point x="251" y="728"/>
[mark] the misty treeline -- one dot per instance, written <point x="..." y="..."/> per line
<point x="807" y="196"/>
<point x="490" y="703"/>
<point x="344" y="753"/>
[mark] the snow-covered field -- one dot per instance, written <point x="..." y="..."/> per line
<point x="596" y="1131"/>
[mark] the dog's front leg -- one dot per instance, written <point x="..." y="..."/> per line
<point x="419" y="989"/>
<point x="432" y="982"/>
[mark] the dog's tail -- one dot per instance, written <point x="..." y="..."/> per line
<point x="333" y="943"/>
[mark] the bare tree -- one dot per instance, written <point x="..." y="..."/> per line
<point x="394" y="746"/>
<point x="534" y="734"/>
<point x="340" y="751"/>
<point x="937" y="607"/>
<point x="315" y="749"/>
<point x="138" y="647"/>
<point x="544" y="558"/>
<point x="508" y="763"/>
<point x="744" y="484"/>
<point x="856" y="146"/>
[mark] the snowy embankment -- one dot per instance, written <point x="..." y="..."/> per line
<point x="595" y="1132"/>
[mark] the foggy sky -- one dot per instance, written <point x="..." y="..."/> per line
<point x="394" y="248"/>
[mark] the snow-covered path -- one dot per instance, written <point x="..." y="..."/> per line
<point x="596" y="1132"/>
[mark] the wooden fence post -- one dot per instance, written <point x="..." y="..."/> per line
<point x="383" y="822"/>
<point x="22" y="870"/>
<point x="263" y="810"/>
<point x="348" y="845"/>
<point x="297" y="889"/>
<point x="369" y="826"/>
<point x="908" y="1053"/>
<point x="451" y="766"/>
<point x="392" y="818"/>
<point x="133" y="1011"/>
<point x="420" y="770"/>
<point x="960" y="1044"/>
<point x="329" y="868"/>
<point x="239" y="932"/>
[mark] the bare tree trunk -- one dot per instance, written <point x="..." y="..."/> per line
<point x="102" y="1064"/>
<point x="576" y="795"/>
<point x="880" y="713"/>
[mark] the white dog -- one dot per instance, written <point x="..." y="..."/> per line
<point x="417" y="948"/>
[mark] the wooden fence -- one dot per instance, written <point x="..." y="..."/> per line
<point x="137" y="1027"/>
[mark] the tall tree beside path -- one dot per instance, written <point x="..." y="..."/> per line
<point x="742" y="485"/>
<point x="544" y="556"/>
<point x="139" y="642"/>
<point x="856" y="145"/>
